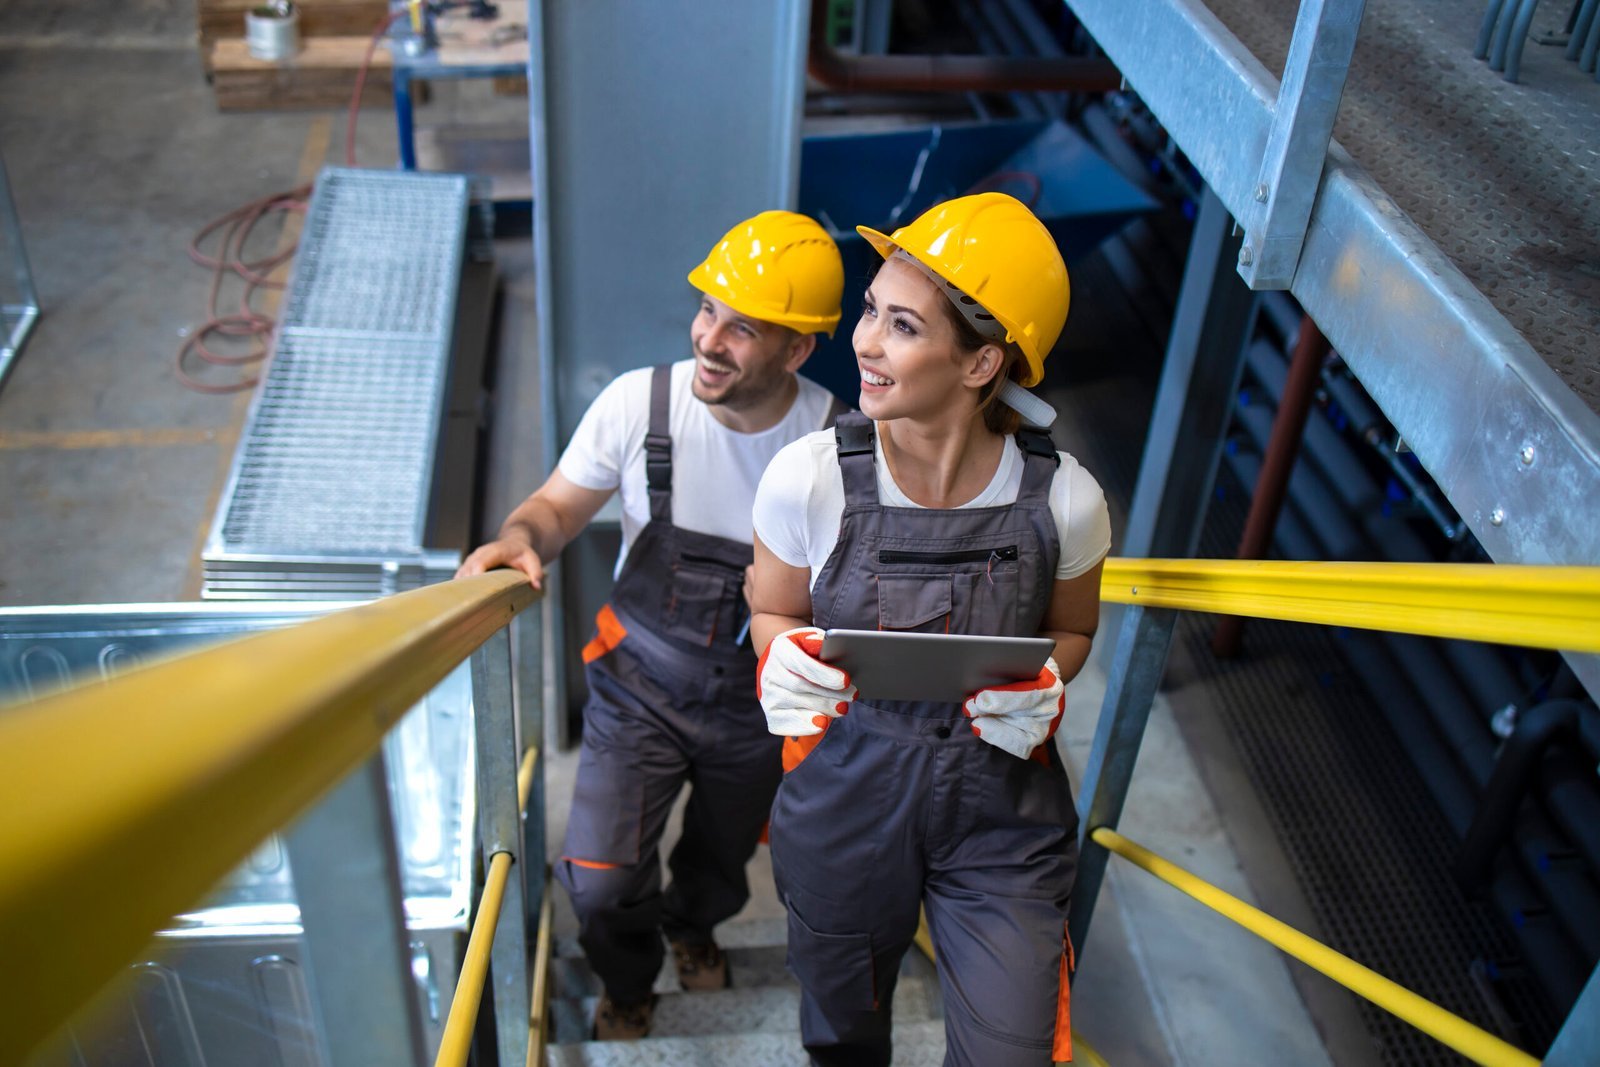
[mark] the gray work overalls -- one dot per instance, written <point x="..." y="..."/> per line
<point x="900" y="804"/>
<point x="672" y="699"/>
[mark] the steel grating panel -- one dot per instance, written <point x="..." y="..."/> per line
<point x="336" y="457"/>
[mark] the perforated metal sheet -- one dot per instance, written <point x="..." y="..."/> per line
<point x="337" y="452"/>
<point x="1504" y="178"/>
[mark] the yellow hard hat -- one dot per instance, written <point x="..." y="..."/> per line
<point x="778" y="267"/>
<point x="992" y="248"/>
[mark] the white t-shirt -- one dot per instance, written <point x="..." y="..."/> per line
<point x="800" y="504"/>
<point x="715" y="470"/>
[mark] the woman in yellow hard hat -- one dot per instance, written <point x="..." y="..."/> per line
<point x="932" y="511"/>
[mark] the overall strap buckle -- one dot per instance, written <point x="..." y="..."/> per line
<point x="854" y="434"/>
<point x="658" y="461"/>
<point x="1038" y="443"/>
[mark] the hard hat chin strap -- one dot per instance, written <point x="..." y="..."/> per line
<point x="1034" y="412"/>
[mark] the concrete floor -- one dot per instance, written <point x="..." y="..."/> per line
<point x="110" y="470"/>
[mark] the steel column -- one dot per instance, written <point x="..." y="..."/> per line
<point x="528" y="634"/>
<point x="633" y="183"/>
<point x="1205" y="357"/>
<point x="1578" y="1041"/>
<point x="500" y="830"/>
<point x="347" y="882"/>
<point x="1141" y="659"/>
<point x="1297" y="145"/>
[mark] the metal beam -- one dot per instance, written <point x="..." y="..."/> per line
<point x="1578" y="1041"/>
<point x="1302" y="125"/>
<point x="1468" y="393"/>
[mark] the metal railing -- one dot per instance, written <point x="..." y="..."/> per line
<point x="1476" y="1044"/>
<point x="193" y="790"/>
<point x="167" y="777"/>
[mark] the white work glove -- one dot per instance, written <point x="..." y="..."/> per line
<point x="1019" y="717"/>
<point x="800" y="694"/>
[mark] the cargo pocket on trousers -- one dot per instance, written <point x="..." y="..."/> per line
<point x="835" y="969"/>
<point x="607" y="810"/>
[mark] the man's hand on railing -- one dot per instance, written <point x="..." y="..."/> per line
<point x="506" y="552"/>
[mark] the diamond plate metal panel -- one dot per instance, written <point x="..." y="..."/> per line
<point x="336" y="457"/>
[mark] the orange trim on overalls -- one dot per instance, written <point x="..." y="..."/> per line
<point x="609" y="633"/>
<point x="593" y="865"/>
<point x="1061" y="1049"/>
<point x="796" y="749"/>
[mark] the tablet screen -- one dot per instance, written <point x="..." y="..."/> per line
<point x="891" y="665"/>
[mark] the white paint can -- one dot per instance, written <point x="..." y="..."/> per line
<point x="272" y="31"/>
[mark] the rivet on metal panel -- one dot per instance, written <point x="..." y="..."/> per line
<point x="1246" y="257"/>
<point x="1527" y="455"/>
<point x="1497" y="516"/>
<point x="1261" y="193"/>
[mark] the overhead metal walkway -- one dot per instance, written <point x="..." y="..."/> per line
<point x="1457" y="281"/>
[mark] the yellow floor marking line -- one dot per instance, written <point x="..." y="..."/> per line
<point x="45" y="440"/>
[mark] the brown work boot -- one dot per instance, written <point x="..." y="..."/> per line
<point x="701" y="966"/>
<point x="622" y="1022"/>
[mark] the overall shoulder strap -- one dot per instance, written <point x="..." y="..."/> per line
<point x="1039" y="461"/>
<point x="854" y="434"/>
<point x="658" y="445"/>
<point x="836" y="407"/>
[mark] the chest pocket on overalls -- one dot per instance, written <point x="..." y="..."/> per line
<point x="702" y="599"/>
<point x="976" y="594"/>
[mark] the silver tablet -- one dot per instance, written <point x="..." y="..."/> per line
<point x="891" y="665"/>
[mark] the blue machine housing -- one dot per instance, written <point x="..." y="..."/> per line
<point x="885" y="180"/>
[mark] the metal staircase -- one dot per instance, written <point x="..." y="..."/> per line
<point x="756" y="1020"/>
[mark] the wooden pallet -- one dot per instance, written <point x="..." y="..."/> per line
<point x="223" y="19"/>
<point x="321" y="75"/>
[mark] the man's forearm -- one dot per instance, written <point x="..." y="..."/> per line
<point x="537" y="524"/>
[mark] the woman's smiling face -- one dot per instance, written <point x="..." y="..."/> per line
<point x="907" y="351"/>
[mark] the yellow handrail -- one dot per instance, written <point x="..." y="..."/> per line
<point x="456" y="1043"/>
<point x="143" y="793"/>
<point x="1477" y="1045"/>
<point x="1537" y="607"/>
<point x="539" y="1006"/>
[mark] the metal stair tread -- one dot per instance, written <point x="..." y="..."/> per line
<point x="761" y="1009"/>
<point x="916" y="1044"/>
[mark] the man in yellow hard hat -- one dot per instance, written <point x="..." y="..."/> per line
<point x="671" y="676"/>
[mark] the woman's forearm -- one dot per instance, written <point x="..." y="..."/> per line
<point x="764" y="626"/>
<point x="1072" y="651"/>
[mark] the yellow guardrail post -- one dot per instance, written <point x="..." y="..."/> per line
<point x="143" y="793"/>
<point x="1477" y="1045"/>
